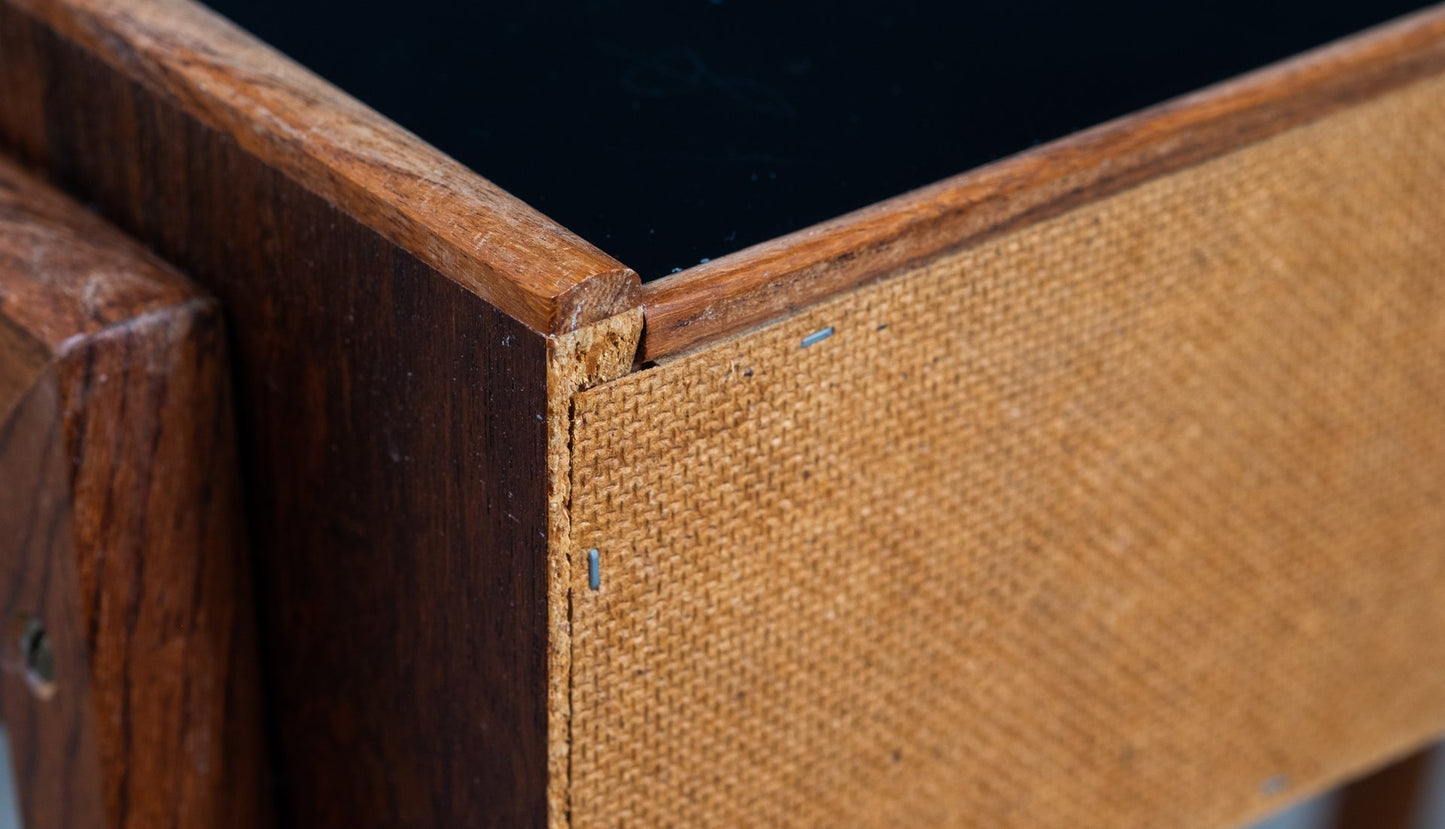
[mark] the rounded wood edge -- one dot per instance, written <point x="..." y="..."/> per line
<point x="772" y="280"/>
<point x="66" y="274"/>
<point x="597" y="299"/>
<point x="463" y="226"/>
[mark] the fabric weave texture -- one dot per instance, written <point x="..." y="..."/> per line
<point x="1131" y="517"/>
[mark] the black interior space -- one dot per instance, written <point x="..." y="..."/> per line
<point x="669" y="131"/>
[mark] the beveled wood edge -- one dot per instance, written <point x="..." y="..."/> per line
<point x="776" y="278"/>
<point x="66" y="274"/>
<point x="48" y="305"/>
<point x="463" y="226"/>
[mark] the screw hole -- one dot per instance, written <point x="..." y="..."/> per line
<point x="37" y="656"/>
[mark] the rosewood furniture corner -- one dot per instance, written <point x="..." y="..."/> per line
<point x="978" y="504"/>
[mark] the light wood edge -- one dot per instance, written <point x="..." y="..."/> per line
<point x="776" y="278"/>
<point x="576" y="362"/>
<point x="460" y="224"/>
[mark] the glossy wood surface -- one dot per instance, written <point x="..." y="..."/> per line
<point x="119" y="462"/>
<point x="391" y="417"/>
<point x="389" y="316"/>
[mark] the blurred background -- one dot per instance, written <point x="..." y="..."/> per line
<point x="1408" y="795"/>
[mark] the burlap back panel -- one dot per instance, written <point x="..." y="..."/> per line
<point x="1132" y="517"/>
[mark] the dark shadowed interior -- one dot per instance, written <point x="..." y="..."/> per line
<point x="670" y="131"/>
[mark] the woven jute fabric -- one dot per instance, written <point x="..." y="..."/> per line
<point x="1132" y="517"/>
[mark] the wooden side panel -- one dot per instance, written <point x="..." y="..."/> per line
<point x="163" y="581"/>
<point x="393" y="451"/>
<point x="52" y="734"/>
<point x="1391" y="797"/>
<point x="144" y="585"/>
<point x="1130" y="517"/>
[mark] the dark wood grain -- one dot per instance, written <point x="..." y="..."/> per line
<point x="389" y="314"/>
<point x="391" y="427"/>
<point x="776" y="278"/>
<point x="1388" y="798"/>
<point x="53" y="741"/>
<point x="120" y="464"/>
<point x="463" y="226"/>
<point x="22" y="359"/>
